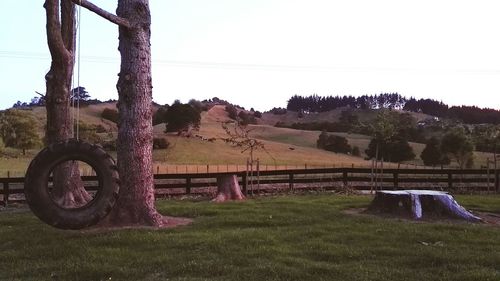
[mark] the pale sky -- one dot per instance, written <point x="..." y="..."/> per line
<point x="258" y="53"/>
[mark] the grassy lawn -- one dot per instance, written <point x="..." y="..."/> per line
<point x="275" y="238"/>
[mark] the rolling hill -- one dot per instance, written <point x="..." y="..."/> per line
<point x="284" y="146"/>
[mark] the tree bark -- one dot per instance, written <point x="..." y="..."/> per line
<point x="68" y="188"/>
<point x="136" y="203"/>
<point x="228" y="188"/>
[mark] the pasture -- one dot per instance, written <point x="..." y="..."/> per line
<point x="307" y="237"/>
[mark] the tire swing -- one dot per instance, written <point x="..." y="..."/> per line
<point x="38" y="191"/>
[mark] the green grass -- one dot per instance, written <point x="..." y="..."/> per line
<point x="275" y="238"/>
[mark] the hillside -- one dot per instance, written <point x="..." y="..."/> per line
<point x="364" y="115"/>
<point x="285" y="146"/>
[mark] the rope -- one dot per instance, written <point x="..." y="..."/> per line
<point x="79" y="64"/>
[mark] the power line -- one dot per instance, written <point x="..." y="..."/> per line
<point x="250" y="66"/>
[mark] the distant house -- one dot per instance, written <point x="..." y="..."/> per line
<point x="432" y="121"/>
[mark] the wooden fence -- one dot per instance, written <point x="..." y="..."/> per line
<point x="166" y="185"/>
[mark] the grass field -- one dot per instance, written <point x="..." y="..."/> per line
<point x="286" y="147"/>
<point x="275" y="238"/>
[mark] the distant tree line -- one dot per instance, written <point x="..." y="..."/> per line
<point x="78" y="95"/>
<point x="278" y="111"/>
<point x="466" y="114"/>
<point x="315" y="103"/>
<point x="348" y="122"/>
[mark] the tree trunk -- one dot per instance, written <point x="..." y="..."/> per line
<point x="228" y="188"/>
<point x="68" y="187"/>
<point x="419" y="204"/>
<point x="136" y="203"/>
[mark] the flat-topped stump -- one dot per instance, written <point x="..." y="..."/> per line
<point x="419" y="204"/>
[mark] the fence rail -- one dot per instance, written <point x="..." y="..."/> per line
<point x="470" y="180"/>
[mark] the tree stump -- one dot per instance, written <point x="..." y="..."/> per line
<point x="419" y="204"/>
<point x="228" y="188"/>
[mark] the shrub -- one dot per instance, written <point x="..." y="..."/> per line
<point x="88" y="133"/>
<point x="198" y="105"/>
<point x="432" y="154"/>
<point x="160" y="143"/>
<point x="457" y="145"/>
<point x="100" y="129"/>
<point x="232" y="112"/>
<point x="182" y="117"/>
<point x="281" y="124"/>
<point x="338" y="144"/>
<point x="110" y="114"/>
<point x="355" y="151"/>
<point x="333" y="143"/>
<point x="395" y="149"/>
<point x="160" y="115"/>
<point x="2" y="145"/>
<point x="246" y="118"/>
<point x="278" y="111"/>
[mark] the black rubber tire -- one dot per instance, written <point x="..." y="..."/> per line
<point x="37" y="178"/>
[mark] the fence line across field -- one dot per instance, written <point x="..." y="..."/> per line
<point x="215" y="168"/>
<point x="160" y="168"/>
<point x="317" y="179"/>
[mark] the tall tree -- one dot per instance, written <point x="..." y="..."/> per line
<point x="79" y="94"/>
<point x="61" y="30"/>
<point x="136" y="203"/>
<point x="182" y="117"/>
<point x="18" y="129"/>
<point x="388" y="143"/>
<point x="457" y="145"/>
<point x="432" y="154"/>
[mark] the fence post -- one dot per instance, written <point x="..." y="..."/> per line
<point x="396" y="180"/>
<point x="450" y="181"/>
<point x="496" y="170"/>
<point x="6" y="192"/>
<point x="188" y="185"/>
<point x="290" y="184"/>
<point x="258" y="175"/>
<point x="344" y="178"/>
<point x="245" y="183"/>
<point x="496" y="181"/>
<point x="488" y="174"/>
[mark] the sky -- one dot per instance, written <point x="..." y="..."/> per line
<point x="259" y="53"/>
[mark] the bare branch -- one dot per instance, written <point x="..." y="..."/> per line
<point x="40" y="94"/>
<point x="68" y="28"/>
<point x="103" y="13"/>
<point x="241" y="138"/>
<point x="54" y="37"/>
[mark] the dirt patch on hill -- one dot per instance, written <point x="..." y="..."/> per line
<point x="216" y="114"/>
